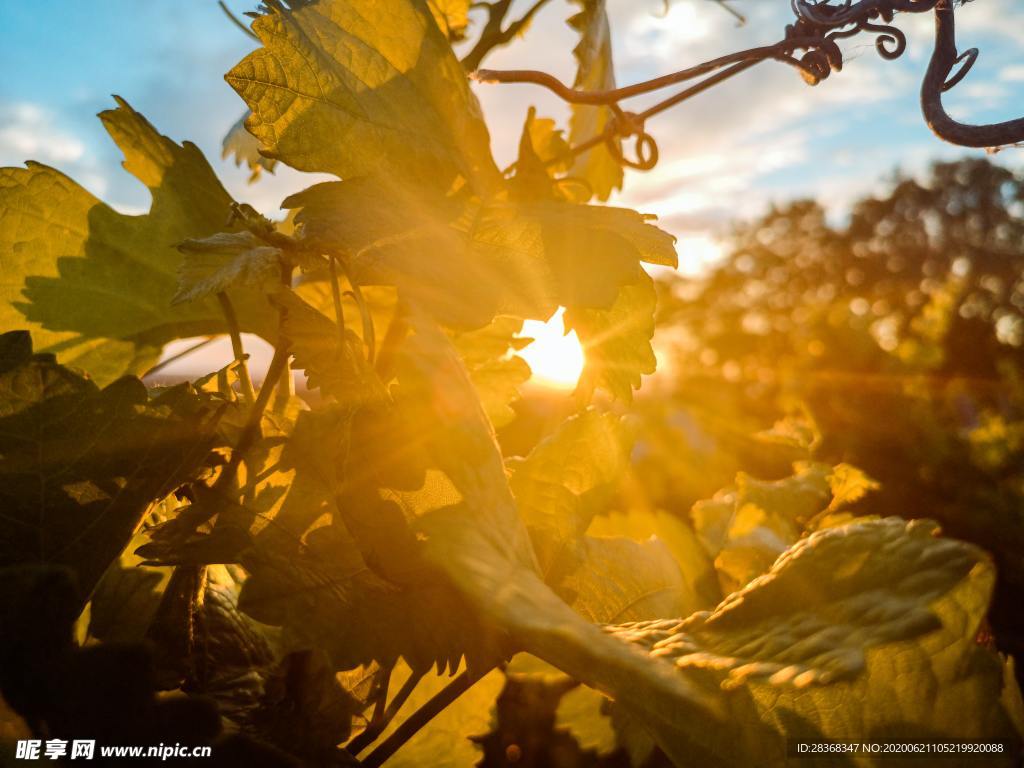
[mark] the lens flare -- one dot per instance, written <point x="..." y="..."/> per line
<point x="555" y="357"/>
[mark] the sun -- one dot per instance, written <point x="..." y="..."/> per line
<point x="555" y="357"/>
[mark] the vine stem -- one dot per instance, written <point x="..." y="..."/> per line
<point x="278" y="366"/>
<point x="236" y="21"/>
<point x="236" y="346"/>
<point x="339" y="313"/>
<point x="378" y="724"/>
<point x="412" y="724"/>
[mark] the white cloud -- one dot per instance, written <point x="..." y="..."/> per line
<point x="28" y="132"/>
<point x="1013" y="73"/>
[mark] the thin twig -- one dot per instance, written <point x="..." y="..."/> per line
<point x="369" y="333"/>
<point x="235" y="20"/>
<point x="493" y="36"/>
<point x="179" y="355"/>
<point x="237" y="349"/>
<point x="339" y="313"/>
<point x="377" y="726"/>
<point x="412" y="724"/>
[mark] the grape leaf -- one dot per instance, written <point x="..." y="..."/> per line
<point x="618" y="579"/>
<point x="482" y="546"/>
<point x="852" y="635"/>
<point x="496" y="373"/>
<point x="445" y="742"/>
<point x="594" y="250"/>
<point x="338" y="567"/>
<point x="214" y="264"/>
<point x="617" y="341"/>
<point x="581" y="713"/>
<point x="523" y="258"/>
<point x="747" y="527"/>
<point x="567" y="478"/>
<point x="245" y="148"/>
<point x="126" y="598"/>
<point x="96" y="284"/>
<point x="360" y="87"/>
<point x="699" y="578"/>
<point x="452" y="17"/>
<point x="595" y="72"/>
<point x="337" y="366"/>
<point x="80" y="465"/>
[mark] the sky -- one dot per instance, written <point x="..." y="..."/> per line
<point x="764" y="137"/>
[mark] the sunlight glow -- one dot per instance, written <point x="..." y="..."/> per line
<point x="556" y="358"/>
<point x="697" y="253"/>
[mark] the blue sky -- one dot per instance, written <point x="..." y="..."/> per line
<point x="763" y="137"/>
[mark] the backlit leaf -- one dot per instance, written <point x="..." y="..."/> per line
<point x="332" y="363"/>
<point x="80" y="465"/>
<point x="495" y="371"/>
<point x="226" y="260"/>
<point x="245" y="148"/>
<point x="363" y="86"/>
<point x="567" y="479"/>
<point x="700" y="583"/>
<point x="618" y="579"/>
<point x="595" y="72"/>
<point x="452" y="17"/>
<point x="483" y="548"/>
<point x="813" y="647"/>
<point x="521" y="258"/>
<point x="94" y="285"/>
<point x="581" y="713"/>
<point x="617" y="341"/>
<point x="445" y="741"/>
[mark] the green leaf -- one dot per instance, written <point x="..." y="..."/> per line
<point x="483" y="548"/>
<point x="700" y="582"/>
<point x="617" y="341"/>
<point x="581" y="712"/>
<point x="567" y="478"/>
<point x="747" y="527"/>
<point x="361" y="87"/>
<point x="798" y="433"/>
<point x="864" y="631"/>
<point x="849" y="485"/>
<point x="593" y="250"/>
<point x="226" y="260"/>
<point x="384" y="226"/>
<point x="496" y="373"/>
<point x="445" y="742"/>
<point x="452" y="17"/>
<point x="80" y="465"/>
<point x="618" y="579"/>
<point x="595" y="72"/>
<point x="337" y="566"/>
<point x="337" y="366"/>
<point x="94" y="285"/>
<point x="126" y="598"/>
<point x="245" y="148"/>
<point x="519" y="258"/>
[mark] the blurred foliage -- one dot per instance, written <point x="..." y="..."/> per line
<point x="374" y="574"/>
<point x="892" y="338"/>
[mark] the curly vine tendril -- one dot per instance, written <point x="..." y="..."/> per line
<point x="810" y="46"/>
<point x="941" y="77"/>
